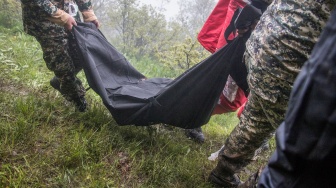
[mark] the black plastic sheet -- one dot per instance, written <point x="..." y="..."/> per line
<point x="186" y="101"/>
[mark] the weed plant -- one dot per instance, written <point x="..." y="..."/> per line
<point x="45" y="143"/>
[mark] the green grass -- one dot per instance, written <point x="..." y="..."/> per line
<point x="45" y="143"/>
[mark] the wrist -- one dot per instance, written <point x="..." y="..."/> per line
<point x="60" y="17"/>
<point x="89" y="16"/>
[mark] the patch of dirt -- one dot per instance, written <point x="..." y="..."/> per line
<point x="13" y="88"/>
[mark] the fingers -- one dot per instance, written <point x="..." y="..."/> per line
<point x="242" y="31"/>
<point x="70" y="23"/>
<point x="96" y="22"/>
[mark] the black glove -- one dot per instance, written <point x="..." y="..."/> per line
<point x="259" y="5"/>
<point x="247" y="17"/>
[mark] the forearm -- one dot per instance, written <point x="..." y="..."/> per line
<point x="85" y="6"/>
<point x="53" y="13"/>
<point x="46" y="6"/>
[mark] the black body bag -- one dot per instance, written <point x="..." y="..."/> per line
<point x="133" y="99"/>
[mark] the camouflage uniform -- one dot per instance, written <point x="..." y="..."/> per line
<point x="275" y="53"/>
<point x="53" y="39"/>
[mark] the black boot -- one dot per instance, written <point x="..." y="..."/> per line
<point x="220" y="177"/>
<point x="81" y="104"/>
<point x="252" y="181"/>
<point x="195" y="134"/>
<point x="55" y="83"/>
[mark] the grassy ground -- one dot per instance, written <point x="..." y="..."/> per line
<point x="45" y="143"/>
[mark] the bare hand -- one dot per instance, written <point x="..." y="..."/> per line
<point x="96" y="22"/>
<point x="70" y="23"/>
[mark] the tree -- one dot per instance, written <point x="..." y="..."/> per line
<point x="192" y="14"/>
<point x="136" y="30"/>
<point x="191" y="17"/>
<point x="143" y="31"/>
<point x="182" y="56"/>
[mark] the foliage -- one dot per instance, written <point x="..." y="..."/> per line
<point x="181" y="57"/>
<point x="143" y="32"/>
<point x="10" y="13"/>
<point x="135" y="30"/>
<point x="192" y="15"/>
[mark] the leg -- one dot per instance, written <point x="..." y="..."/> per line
<point x="259" y="119"/>
<point x="56" y="55"/>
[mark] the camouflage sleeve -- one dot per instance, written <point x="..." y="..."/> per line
<point x="54" y="14"/>
<point x="46" y="6"/>
<point x="84" y="5"/>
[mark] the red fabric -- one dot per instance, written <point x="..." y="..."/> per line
<point x="211" y="35"/>
<point x="225" y="106"/>
<point x="213" y="26"/>
<point x="212" y="38"/>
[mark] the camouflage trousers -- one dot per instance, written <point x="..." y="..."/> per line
<point x="258" y="122"/>
<point x="60" y="57"/>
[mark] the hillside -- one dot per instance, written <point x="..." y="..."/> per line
<point x="45" y="143"/>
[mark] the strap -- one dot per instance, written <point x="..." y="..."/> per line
<point x="231" y="29"/>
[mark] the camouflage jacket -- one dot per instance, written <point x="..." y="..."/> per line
<point x="282" y="42"/>
<point x="35" y="12"/>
